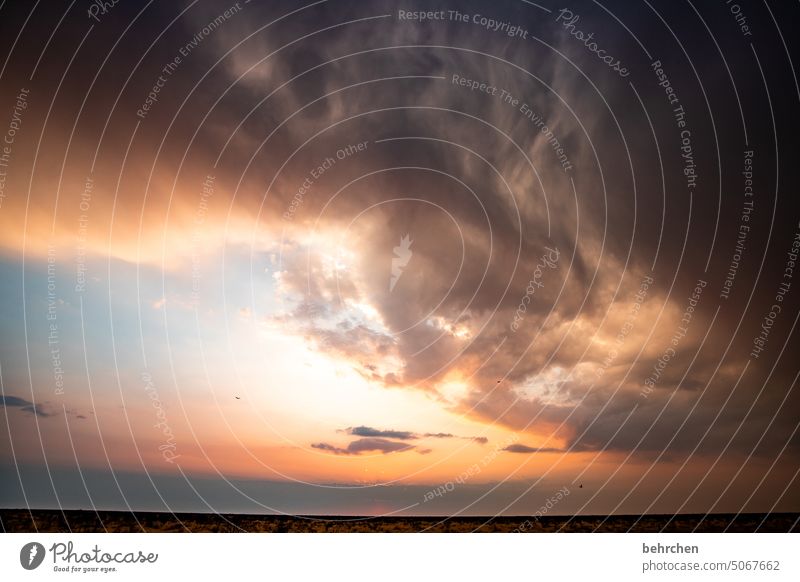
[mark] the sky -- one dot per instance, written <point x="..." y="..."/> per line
<point x="346" y="258"/>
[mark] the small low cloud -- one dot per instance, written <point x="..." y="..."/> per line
<point x="368" y="431"/>
<point x="446" y="435"/>
<point x="439" y="435"/>
<point x="525" y="449"/>
<point x="387" y="441"/>
<point x="24" y="405"/>
<point x="365" y="445"/>
<point x="406" y="435"/>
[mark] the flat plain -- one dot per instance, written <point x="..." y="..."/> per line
<point x="79" y="521"/>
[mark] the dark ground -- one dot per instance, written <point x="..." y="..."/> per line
<point x="21" y="520"/>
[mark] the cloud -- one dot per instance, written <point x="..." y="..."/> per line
<point x="449" y="317"/>
<point x="525" y="449"/>
<point x="24" y="405"/>
<point x="365" y="445"/>
<point x="407" y="435"/>
<point x="13" y="401"/>
<point x="573" y="369"/>
<point x="446" y="435"/>
<point x="366" y="431"/>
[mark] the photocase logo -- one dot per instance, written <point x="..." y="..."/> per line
<point x="31" y="555"/>
<point x="402" y="254"/>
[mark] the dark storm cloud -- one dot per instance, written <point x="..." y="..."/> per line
<point x="495" y="197"/>
<point x="610" y="218"/>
